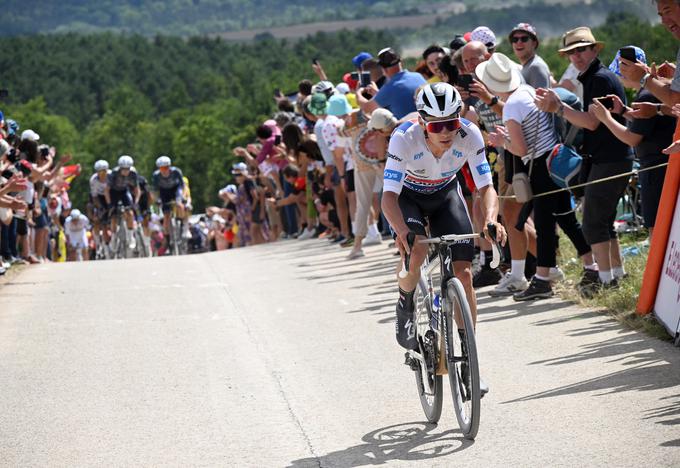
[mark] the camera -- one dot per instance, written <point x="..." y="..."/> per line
<point x="12" y="155"/>
<point x="44" y="151"/>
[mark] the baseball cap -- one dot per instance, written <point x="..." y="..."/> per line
<point x="342" y="88"/>
<point x="231" y="188"/>
<point x="388" y="57"/>
<point x="338" y="105"/>
<point x="639" y="56"/>
<point x="457" y="42"/>
<point x="524" y="27"/>
<point x="485" y="35"/>
<point x="360" y="58"/>
<point x="381" y="119"/>
<point x="239" y="168"/>
<point x="30" y="135"/>
<point x="318" y="104"/>
<point x="347" y="78"/>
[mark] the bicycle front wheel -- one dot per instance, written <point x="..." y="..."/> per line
<point x="463" y="364"/>
<point x="428" y="382"/>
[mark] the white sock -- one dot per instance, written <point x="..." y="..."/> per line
<point x="482" y="257"/>
<point x="618" y="272"/>
<point x="542" y="278"/>
<point x="354" y="231"/>
<point x="605" y="276"/>
<point x="592" y="266"/>
<point x="517" y="269"/>
<point x="373" y="230"/>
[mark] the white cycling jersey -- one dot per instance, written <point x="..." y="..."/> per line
<point x="97" y="187"/>
<point x="410" y="163"/>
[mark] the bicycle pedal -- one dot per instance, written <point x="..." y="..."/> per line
<point x="411" y="362"/>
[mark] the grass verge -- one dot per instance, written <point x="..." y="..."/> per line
<point x="619" y="303"/>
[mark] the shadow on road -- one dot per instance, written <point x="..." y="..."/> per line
<point x="406" y="442"/>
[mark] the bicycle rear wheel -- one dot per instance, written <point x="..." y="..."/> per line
<point x="463" y="364"/>
<point x="428" y="382"/>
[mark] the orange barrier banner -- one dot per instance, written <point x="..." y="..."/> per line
<point x="662" y="229"/>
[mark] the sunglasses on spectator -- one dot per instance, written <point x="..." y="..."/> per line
<point x="580" y="50"/>
<point x="516" y="39"/>
<point x="440" y="125"/>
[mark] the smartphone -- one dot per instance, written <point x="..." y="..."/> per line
<point x="365" y="79"/>
<point x="277" y="140"/>
<point x="628" y="53"/>
<point x="315" y="61"/>
<point x="607" y="102"/>
<point x="277" y="92"/>
<point x="464" y="81"/>
<point x="354" y="76"/>
<point x="4" y="93"/>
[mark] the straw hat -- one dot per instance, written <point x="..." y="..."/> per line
<point x="499" y="74"/>
<point x="579" y="37"/>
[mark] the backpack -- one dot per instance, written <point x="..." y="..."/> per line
<point x="564" y="165"/>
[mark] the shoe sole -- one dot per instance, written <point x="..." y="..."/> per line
<point x="535" y="296"/>
<point x="493" y="293"/>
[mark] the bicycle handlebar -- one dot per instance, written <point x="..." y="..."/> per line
<point x="451" y="238"/>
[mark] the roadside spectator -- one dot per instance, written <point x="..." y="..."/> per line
<point x="663" y="82"/>
<point x="607" y="155"/>
<point x="397" y="93"/>
<point x="433" y="56"/>
<point x="647" y="136"/>
<point x="529" y="134"/>
<point x="535" y="71"/>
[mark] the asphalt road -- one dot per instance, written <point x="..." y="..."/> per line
<point x="283" y="355"/>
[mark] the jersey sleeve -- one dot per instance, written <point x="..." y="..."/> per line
<point x="154" y="181"/>
<point x="92" y="185"/>
<point x="395" y="168"/>
<point x="479" y="166"/>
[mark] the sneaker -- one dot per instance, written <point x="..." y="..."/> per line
<point x="132" y="244"/>
<point x="308" y="233"/>
<point x="338" y="239"/>
<point x="556" y="275"/>
<point x="185" y="232"/>
<point x="590" y="284"/>
<point x="355" y="253"/>
<point x="373" y="240"/>
<point x="486" y="277"/>
<point x="347" y="242"/>
<point x="404" y="325"/>
<point x="509" y="285"/>
<point x="538" y="289"/>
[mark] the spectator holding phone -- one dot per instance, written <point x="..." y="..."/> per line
<point x="397" y="93"/>
<point x="648" y="136"/>
<point x="602" y="150"/>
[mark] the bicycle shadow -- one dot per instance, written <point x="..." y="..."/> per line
<point x="409" y="442"/>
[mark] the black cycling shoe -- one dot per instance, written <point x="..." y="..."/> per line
<point x="404" y="325"/>
<point x="538" y="289"/>
<point x="486" y="277"/>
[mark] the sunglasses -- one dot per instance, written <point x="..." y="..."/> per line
<point x="516" y="39"/>
<point x="439" y="126"/>
<point x="580" y="50"/>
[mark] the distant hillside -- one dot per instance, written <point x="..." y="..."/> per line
<point x="416" y="21"/>
<point x="187" y="17"/>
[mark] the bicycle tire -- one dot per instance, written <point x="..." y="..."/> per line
<point x="121" y="239"/>
<point x="431" y="403"/>
<point x="464" y="385"/>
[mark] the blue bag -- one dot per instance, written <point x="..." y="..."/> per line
<point x="564" y="165"/>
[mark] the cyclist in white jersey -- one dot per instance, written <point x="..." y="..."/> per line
<point x="98" y="211"/>
<point x="421" y="189"/>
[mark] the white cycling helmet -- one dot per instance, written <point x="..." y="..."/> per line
<point x="75" y="213"/>
<point x="101" y="165"/>
<point x="438" y="100"/>
<point x="163" y="161"/>
<point x="325" y="87"/>
<point x="125" y="162"/>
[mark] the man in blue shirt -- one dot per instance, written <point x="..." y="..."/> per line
<point x="397" y="94"/>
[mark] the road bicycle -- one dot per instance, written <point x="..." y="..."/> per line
<point x="445" y="334"/>
<point x="122" y="235"/>
<point x="176" y="242"/>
